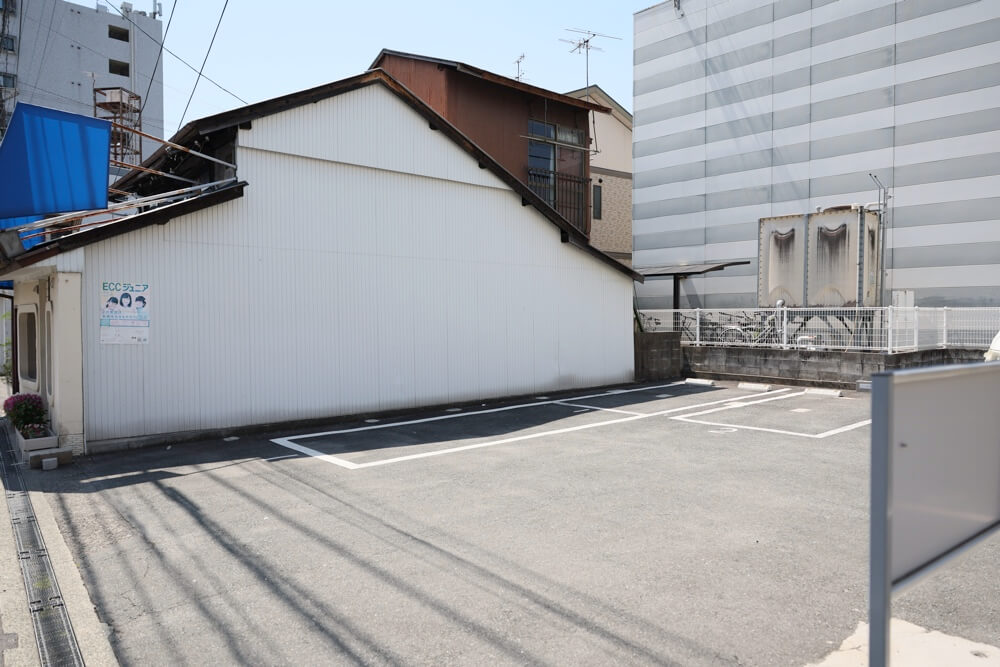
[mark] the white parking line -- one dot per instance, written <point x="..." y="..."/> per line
<point x="458" y="415"/>
<point x="350" y="465"/>
<point x="732" y="406"/>
<point x="594" y="407"/>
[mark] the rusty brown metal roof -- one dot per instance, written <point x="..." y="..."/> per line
<point x="498" y="79"/>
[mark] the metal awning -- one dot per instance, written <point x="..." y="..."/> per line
<point x="688" y="269"/>
<point x="682" y="271"/>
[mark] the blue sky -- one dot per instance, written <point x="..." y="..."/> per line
<point x="266" y="49"/>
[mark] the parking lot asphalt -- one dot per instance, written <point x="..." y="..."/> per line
<point x="672" y="524"/>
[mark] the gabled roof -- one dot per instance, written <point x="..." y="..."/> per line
<point x="598" y="94"/>
<point x="202" y="130"/>
<point x="493" y="78"/>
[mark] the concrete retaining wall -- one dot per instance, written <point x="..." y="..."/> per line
<point x="657" y="355"/>
<point x="812" y="367"/>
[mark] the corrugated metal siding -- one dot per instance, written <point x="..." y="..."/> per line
<point x="332" y="288"/>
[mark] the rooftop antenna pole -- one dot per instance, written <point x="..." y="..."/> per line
<point x="583" y="45"/>
<point x="518" y="62"/>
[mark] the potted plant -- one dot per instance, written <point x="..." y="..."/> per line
<point x="27" y="415"/>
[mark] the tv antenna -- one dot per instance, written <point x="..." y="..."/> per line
<point x="583" y="45"/>
<point x="518" y="62"/>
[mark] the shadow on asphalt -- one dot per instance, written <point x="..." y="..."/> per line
<point x="137" y="466"/>
<point x="134" y="500"/>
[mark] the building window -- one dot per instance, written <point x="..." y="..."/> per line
<point x="7" y="80"/>
<point x="597" y="202"/>
<point x="27" y="346"/>
<point x="121" y="34"/>
<point x="6" y="42"/>
<point x="567" y="135"/>
<point x="557" y="162"/>
<point x="118" y="67"/>
<point x="537" y="128"/>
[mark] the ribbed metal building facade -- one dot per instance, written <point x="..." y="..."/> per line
<point x="370" y="265"/>
<point x="746" y="109"/>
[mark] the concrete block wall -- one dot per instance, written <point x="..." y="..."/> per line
<point x="811" y="367"/>
<point x="657" y="355"/>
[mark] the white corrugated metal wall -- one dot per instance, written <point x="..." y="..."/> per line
<point x="336" y="288"/>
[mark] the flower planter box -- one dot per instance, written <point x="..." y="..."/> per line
<point x="33" y="444"/>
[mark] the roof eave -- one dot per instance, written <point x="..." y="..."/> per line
<point x="157" y="216"/>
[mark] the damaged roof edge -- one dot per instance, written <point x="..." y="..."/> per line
<point x="252" y="112"/>
<point x="157" y="216"/>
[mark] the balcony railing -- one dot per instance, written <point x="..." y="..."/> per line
<point x="566" y="194"/>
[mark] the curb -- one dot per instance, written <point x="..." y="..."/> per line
<point x="92" y="635"/>
<point x="17" y="633"/>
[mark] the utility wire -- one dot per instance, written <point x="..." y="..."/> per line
<point x="45" y="47"/>
<point x="145" y="98"/>
<point x="86" y="105"/>
<point x="210" y="44"/>
<point x="189" y="66"/>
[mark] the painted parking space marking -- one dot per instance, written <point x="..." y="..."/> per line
<point x="290" y="443"/>
<point x="730" y="406"/>
<point x="284" y="456"/>
<point x="594" y="407"/>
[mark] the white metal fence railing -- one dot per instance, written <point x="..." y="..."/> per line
<point x="888" y="329"/>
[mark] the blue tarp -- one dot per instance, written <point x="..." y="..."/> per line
<point x="52" y="162"/>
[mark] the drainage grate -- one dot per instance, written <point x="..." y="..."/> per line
<point x="53" y="632"/>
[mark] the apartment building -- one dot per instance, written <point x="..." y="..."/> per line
<point x="55" y="54"/>
<point x="747" y="109"/>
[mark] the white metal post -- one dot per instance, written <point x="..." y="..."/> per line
<point x="944" y="327"/>
<point x="888" y="329"/>
<point x="784" y="327"/>
<point x="697" y="326"/>
<point x="916" y="327"/>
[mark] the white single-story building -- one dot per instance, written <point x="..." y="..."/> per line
<point x="366" y="257"/>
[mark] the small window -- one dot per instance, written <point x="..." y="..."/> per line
<point x="6" y="42"/>
<point x="27" y="346"/>
<point x="118" y="67"/>
<point x="541" y="156"/>
<point x="568" y="135"/>
<point x="537" y="128"/>
<point x="597" y="202"/>
<point x="121" y="34"/>
<point x="7" y="80"/>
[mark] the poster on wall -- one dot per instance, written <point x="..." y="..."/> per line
<point x="124" y="313"/>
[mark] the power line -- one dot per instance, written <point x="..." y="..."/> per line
<point x="41" y="65"/>
<point x="189" y="66"/>
<point x="159" y="53"/>
<point x="210" y="45"/>
<point x="87" y="105"/>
